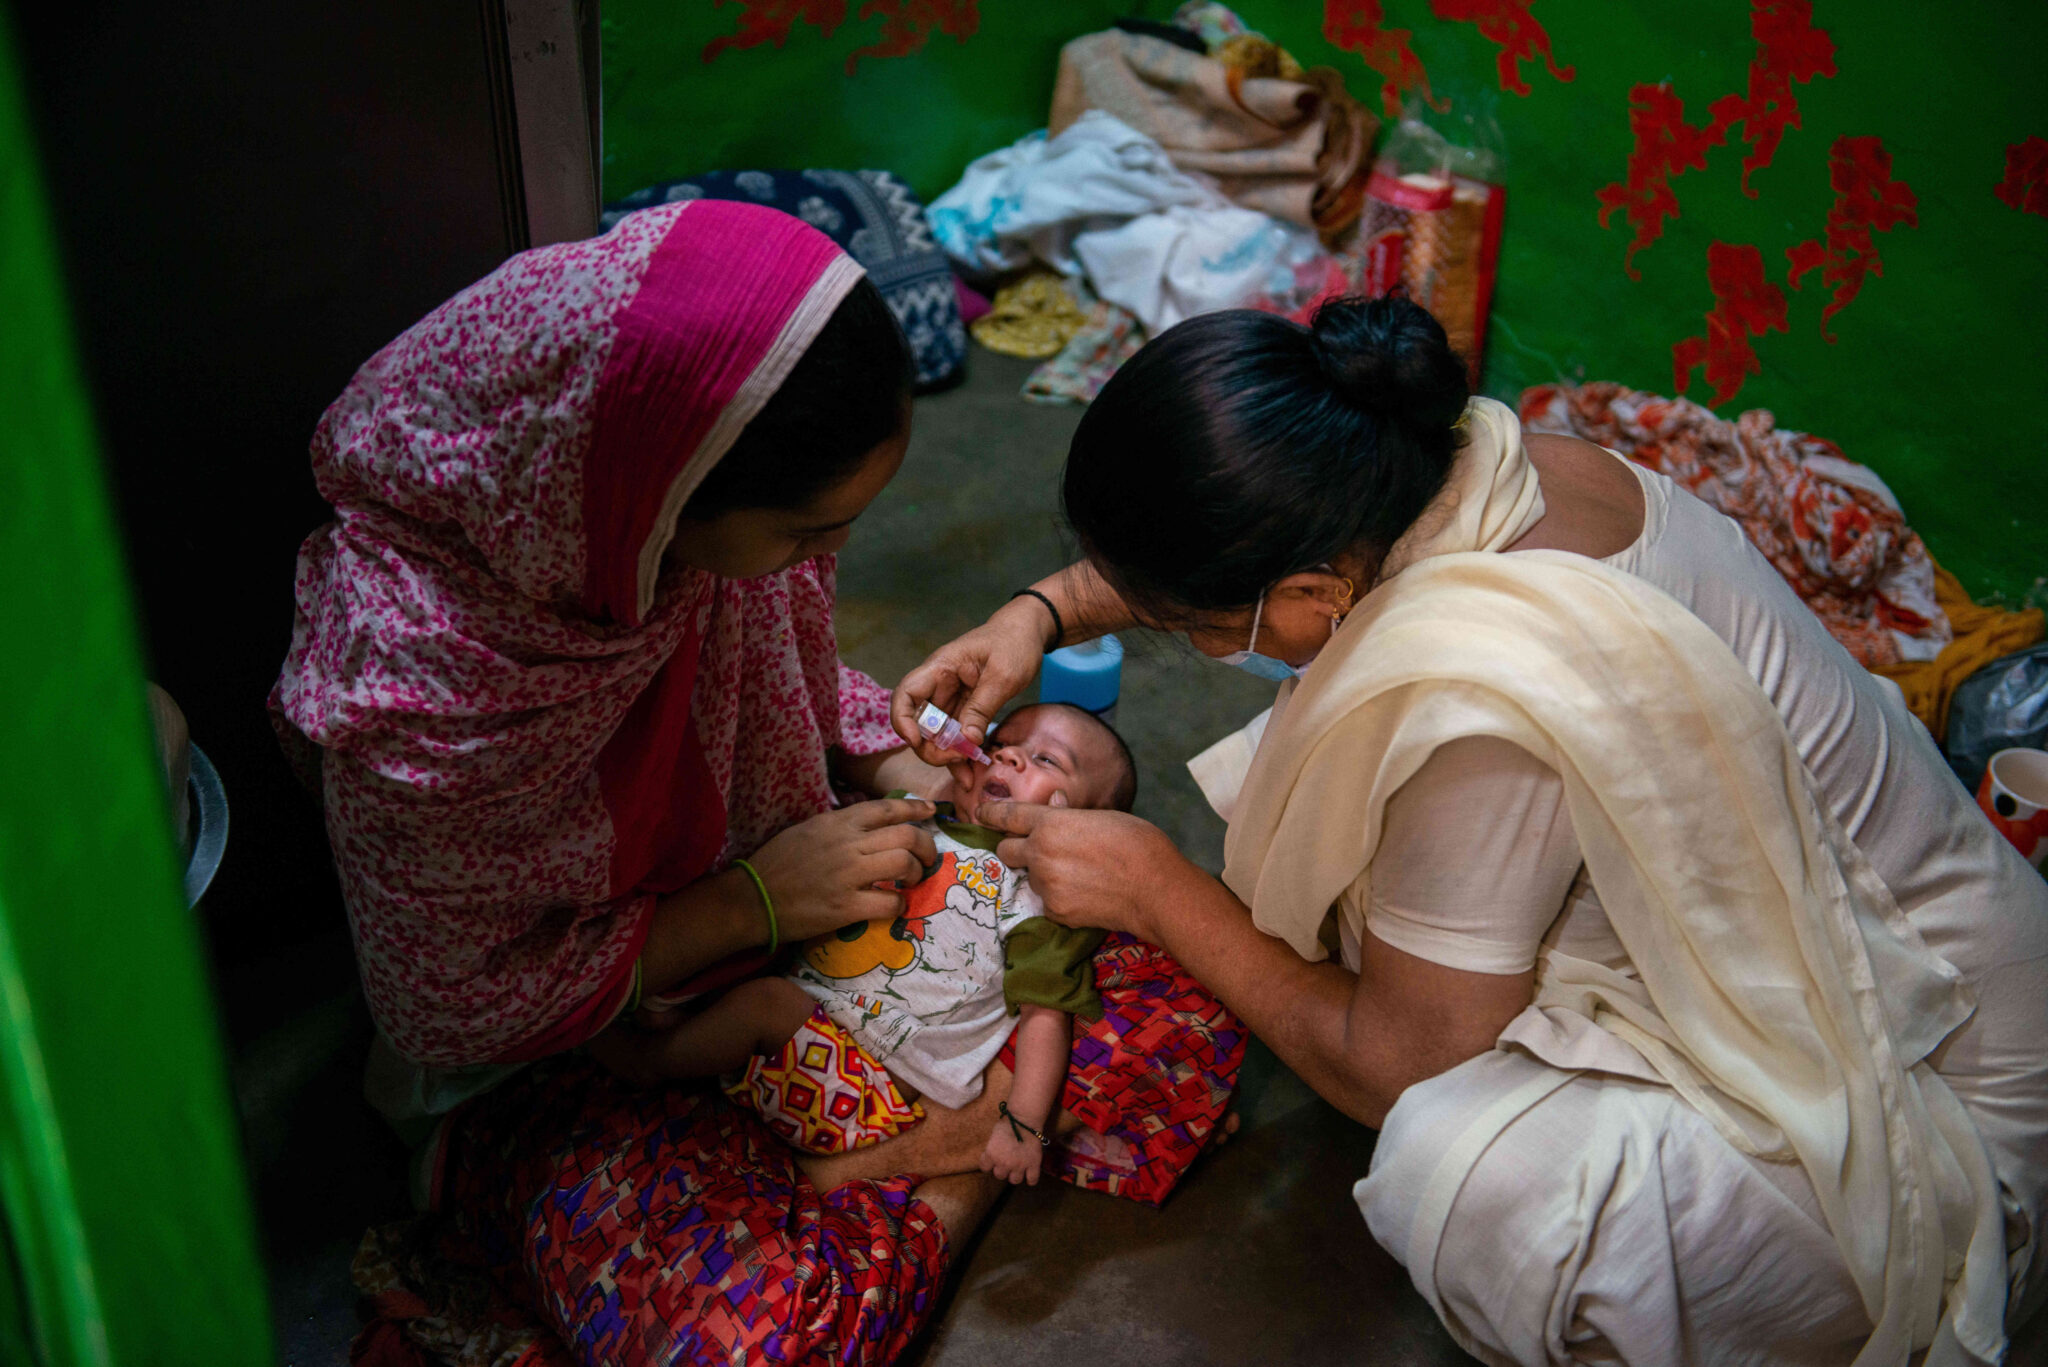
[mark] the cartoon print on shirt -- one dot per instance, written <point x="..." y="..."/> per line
<point x="924" y="991"/>
<point x="863" y="947"/>
<point x="971" y="888"/>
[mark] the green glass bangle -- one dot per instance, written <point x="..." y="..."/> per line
<point x="767" y="905"/>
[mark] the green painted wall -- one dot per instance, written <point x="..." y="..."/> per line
<point x="125" y="1235"/>
<point x="1935" y="374"/>
<point x="667" y="112"/>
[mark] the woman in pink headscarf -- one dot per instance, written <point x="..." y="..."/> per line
<point x="564" y="654"/>
<point x="579" y="585"/>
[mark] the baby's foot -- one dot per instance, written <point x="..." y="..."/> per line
<point x="1224" y="1129"/>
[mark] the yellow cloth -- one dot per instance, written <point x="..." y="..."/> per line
<point x="1782" y="992"/>
<point x="1981" y="635"/>
<point x="1036" y="316"/>
<point x="1256" y="55"/>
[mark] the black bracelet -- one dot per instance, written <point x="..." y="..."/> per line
<point x="1059" y="627"/>
<point x="1019" y="1129"/>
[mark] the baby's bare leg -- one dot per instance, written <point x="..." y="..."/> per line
<point x="756" y="1017"/>
<point x="948" y="1141"/>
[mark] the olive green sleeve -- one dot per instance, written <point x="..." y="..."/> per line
<point x="1047" y="964"/>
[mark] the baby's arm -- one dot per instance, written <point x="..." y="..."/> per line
<point x="893" y="771"/>
<point x="1044" y="1042"/>
<point x="756" y="1017"/>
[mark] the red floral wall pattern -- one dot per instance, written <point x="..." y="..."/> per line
<point x="1665" y="146"/>
<point x="1788" y="49"/>
<point x="1790" y="52"/>
<point x="2025" y="186"/>
<point x="1867" y="200"/>
<point x="906" y="24"/>
<point x="1746" y="305"/>
<point x="1359" y="26"/>
<point x="769" y="21"/>
<point x="1356" y="26"/>
<point x="1509" y="24"/>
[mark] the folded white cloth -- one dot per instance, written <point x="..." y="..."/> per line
<point x="1030" y="199"/>
<point x="1104" y="201"/>
<point x="1182" y="261"/>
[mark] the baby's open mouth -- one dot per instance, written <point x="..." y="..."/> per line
<point x="995" y="790"/>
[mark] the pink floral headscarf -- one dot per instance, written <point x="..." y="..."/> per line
<point x="529" y="725"/>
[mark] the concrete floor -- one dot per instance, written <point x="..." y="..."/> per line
<point x="1259" y="1258"/>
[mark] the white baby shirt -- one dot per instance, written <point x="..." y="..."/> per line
<point x="925" y="992"/>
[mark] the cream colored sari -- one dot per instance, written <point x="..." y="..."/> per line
<point x="1782" y="993"/>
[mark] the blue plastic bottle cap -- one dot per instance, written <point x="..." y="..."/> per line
<point x="1088" y="675"/>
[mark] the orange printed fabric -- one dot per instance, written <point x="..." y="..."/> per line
<point x="1827" y="524"/>
<point x="824" y="1093"/>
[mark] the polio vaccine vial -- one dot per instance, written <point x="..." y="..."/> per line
<point x="942" y="731"/>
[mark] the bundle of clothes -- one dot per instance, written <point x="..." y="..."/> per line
<point x="1185" y="167"/>
<point x="1830" y="526"/>
<point x="1195" y="166"/>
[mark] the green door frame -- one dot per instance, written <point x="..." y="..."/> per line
<point x="125" y="1229"/>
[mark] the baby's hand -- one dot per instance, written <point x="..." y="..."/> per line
<point x="1011" y="1159"/>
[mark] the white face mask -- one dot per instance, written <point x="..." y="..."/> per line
<point x="1263" y="666"/>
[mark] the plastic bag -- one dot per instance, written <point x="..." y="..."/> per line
<point x="1432" y="224"/>
<point x="2002" y="706"/>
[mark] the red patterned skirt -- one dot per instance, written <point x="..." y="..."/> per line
<point x="581" y="1222"/>
<point x="1151" y="1079"/>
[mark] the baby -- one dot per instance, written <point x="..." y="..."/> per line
<point x="838" y="1050"/>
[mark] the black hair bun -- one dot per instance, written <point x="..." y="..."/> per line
<point x="1389" y="357"/>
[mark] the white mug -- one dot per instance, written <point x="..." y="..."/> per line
<point x="2014" y="794"/>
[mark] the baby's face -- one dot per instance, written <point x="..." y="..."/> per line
<point x="1046" y="755"/>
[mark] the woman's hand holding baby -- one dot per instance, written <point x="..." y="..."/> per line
<point x="1094" y="869"/>
<point x="822" y="872"/>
